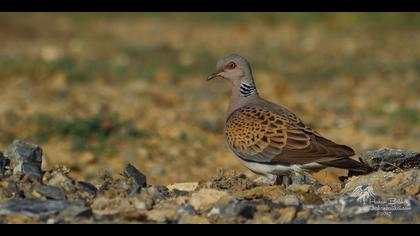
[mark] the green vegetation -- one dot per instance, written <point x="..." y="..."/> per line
<point x="88" y="134"/>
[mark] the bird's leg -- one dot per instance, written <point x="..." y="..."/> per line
<point x="282" y="180"/>
<point x="301" y="177"/>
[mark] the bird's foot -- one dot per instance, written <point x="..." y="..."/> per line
<point x="296" y="178"/>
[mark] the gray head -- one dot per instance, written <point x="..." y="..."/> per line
<point x="237" y="70"/>
<point x="233" y="68"/>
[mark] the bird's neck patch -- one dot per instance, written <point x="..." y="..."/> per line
<point x="247" y="89"/>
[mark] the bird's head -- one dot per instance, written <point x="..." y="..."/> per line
<point x="233" y="68"/>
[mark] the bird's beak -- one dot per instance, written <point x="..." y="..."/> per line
<point x="214" y="75"/>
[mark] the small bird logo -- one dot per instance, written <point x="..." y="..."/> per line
<point x="363" y="193"/>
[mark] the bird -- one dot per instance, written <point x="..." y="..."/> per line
<point x="269" y="139"/>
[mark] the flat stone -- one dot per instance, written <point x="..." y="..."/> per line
<point x="391" y="159"/>
<point x="186" y="187"/>
<point x="88" y="188"/>
<point x="206" y="199"/>
<point x="26" y="159"/>
<point x="238" y="209"/>
<point x="51" y="192"/>
<point x="34" y="208"/>
<point x="288" y="200"/>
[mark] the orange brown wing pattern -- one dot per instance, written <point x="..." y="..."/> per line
<point x="260" y="135"/>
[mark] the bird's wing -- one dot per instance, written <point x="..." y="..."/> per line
<point x="258" y="134"/>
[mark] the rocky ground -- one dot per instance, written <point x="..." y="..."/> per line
<point x="29" y="194"/>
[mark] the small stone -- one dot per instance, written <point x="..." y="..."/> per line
<point x="26" y="159"/>
<point x="185" y="209"/>
<point x="51" y="192"/>
<point x="205" y="199"/>
<point x="289" y="200"/>
<point x="300" y="188"/>
<point x="59" y="178"/>
<point x="186" y="187"/>
<point x="138" y="178"/>
<point x="87" y="188"/>
<point x="238" y="209"/>
<point x="391" y="159"/>
<point x="111" y="206"/>
<point x="262" y="192"/>
<point x="284" y="215"/>
<point x="193" y="219"/>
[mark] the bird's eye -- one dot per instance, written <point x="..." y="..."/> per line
<point x="231" y="65"/>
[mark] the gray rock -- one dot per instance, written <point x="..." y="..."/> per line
<point x="391" y="159"/>
<point x="289" y="200"/>
<point x="87" y="187"/>
<point x="51" y="192"/>
<point x="76" y="211"/>
<point x="242" y="209"/>
<point x="185" y="209"/>
<point x="37" y="209"/>
<point x="26" y="159"/>
<point x="138" y="178"/>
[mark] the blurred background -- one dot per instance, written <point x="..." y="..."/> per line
<point x="98" y="91"/>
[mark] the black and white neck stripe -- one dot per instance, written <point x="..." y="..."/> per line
<point x="247" y="89"/>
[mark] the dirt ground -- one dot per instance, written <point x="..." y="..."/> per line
<point x="98" y="91"/>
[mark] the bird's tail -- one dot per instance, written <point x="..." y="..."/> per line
<point x="354" y="167"/>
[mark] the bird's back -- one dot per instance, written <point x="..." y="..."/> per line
<point x="264" y="132"/>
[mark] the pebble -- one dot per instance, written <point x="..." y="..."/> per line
<point x="186" y="187"/>
<point x="205" y="199"/>
<point x="51" y="192"/>
<point x="238" y="209"/>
